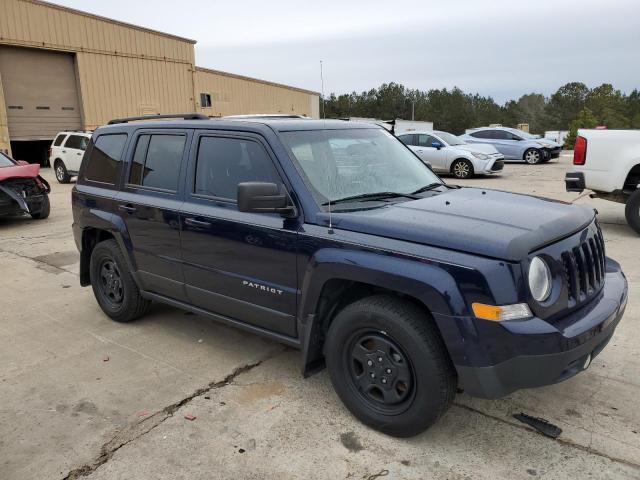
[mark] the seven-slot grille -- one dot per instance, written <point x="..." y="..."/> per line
<point x="584" y="267"/>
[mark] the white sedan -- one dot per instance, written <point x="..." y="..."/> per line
<point x="446" y="153"/>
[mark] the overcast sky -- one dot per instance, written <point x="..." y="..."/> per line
<point x="501" y="48"/>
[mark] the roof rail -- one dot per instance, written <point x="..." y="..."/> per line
<point x="184" y="116"/>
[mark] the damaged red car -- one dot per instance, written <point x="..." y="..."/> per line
<point x="22" y="189"/>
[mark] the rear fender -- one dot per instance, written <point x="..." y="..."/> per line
<point x="114" y="225"/>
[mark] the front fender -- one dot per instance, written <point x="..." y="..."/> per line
<point x="424" y="280"/>
<point x="430" y="282"/>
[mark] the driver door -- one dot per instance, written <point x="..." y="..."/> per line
<point x="427" y="152"/>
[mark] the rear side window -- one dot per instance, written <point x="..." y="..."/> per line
<point x="156" y="161"/>
<point x="58" y="140"/>
<point x="223" y="163"/>
<point x="78" y="142"/>
<point x="102" y="164"/>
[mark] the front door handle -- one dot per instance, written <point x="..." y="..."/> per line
<point x="127" y="208"/>
<point x="78" y="153"/>
<point x="197" y="223"/>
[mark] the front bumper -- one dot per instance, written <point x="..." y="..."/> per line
<point x="540" y="353"/>
<point x="551" y="152"/>
<point x="493" y="166"/>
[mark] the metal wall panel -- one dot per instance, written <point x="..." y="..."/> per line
<point x="115" y="86"/>
<point x="44" y="25"/>
<point x="236" y="95"/>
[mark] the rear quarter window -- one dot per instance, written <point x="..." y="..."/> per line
<point x="58" y="141"/>
<point x="104" y="159"/>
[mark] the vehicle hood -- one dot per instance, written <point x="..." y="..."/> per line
<point x="478" y="147"/>
<point x="490" y="223"/>
<point x="19" y="171"/>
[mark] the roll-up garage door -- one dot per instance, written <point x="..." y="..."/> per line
<point x="40" y="92"/>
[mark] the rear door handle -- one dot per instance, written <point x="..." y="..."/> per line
<point x="64" y="151"/>
<point x="127" y="208"/>
<point x="197" y="223"/>
<point x="78" y="153"/>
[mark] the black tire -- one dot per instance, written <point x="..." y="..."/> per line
<point x="45" y="209"/>
<point x="462" y="168"/>
<point x="533" y="156"/>
<point x="420" y="378"/>
<point x="632" y="211"/>
<point x="61" y="171"/>
<point x="113" y="285"/>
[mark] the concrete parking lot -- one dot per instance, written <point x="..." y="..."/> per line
<point x="81" y="395"/>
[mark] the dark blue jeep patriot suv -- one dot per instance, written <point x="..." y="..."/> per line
<point x="334" y="238"/>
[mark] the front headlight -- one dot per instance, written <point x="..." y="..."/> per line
<point x="481" y="156"/>
<point x="539" y="279"/>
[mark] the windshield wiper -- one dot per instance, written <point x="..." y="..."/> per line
<point x="426" y="188"/>
<point x="371" y="196"/>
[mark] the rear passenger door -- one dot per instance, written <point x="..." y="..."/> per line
<point x="73" y="150"/>
<point x="149" y="204"/>
<point x="237" y="264"/>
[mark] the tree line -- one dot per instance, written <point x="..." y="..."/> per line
<point x="572" y="106"/>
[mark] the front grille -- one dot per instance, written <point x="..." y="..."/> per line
<point x="584" y="268"/>
<point x="497" y="166"/>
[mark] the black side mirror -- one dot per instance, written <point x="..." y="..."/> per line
<point x="263" y="197"/>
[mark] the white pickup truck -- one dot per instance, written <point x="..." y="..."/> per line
<point x="608" y="163"/>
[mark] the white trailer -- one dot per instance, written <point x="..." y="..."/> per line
<point x="558" y="136"/>
<point x="407" y="126"/>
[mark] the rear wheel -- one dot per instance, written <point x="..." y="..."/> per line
<point x="632" y="211"/>
<point x="389" y="366"/>
<point x="45" y="208"/>
<point x="113" y="285"/>
<point x="462" y="169"/>
<point x="533" y="156"/>
<point x="61" y="172"/>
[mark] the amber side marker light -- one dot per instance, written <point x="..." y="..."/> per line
<point x="501" y="313"/>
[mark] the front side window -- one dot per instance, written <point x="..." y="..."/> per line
<point x="223" y="163"/>
<point x="337" y="164"/>
<point x="425" y="140"/>
<point x="105" y="157"/>
<point x="406" y="139"/>
<point x="156" y="161"/>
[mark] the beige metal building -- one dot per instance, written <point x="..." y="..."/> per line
<point x="65" y="69"/>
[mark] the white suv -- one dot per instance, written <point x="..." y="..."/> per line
<point x="66" y="152"/>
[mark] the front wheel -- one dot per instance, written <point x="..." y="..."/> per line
<point x="389" y="366"/>
<point x="113" y="285"/>
<point x="462" y="169"/>
<point x="632" y="211"/>
<point x="533" y="156"/>
<point x="61" y="172"/>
